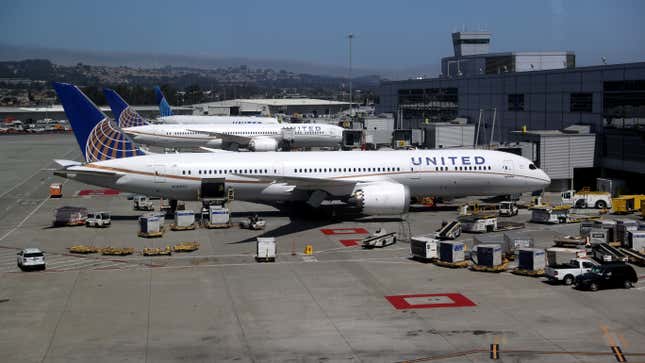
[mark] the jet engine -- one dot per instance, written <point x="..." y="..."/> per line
<point x="263" y="144"/>
<point x="382" y="198"/>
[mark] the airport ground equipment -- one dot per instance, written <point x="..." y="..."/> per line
<point x="380" y="238"/>
<point x="98" y="219"/>
<point x="56" y="190"/>
<point x="70" y="216"/>
<point x="567" y="272"/>
<point x="598" y="235"/>
<point x="622" y="205"/>
<point x="151" y="225"/>
<point x="560" y="255"/>
<point x="31" y="258"/>
<point x="186" y="247"/>
<point x="488" y="254"/>
<point x="530" y="262"/>
<point x="586" y="199"/>
<point x="478" y="223"/>
<point x="452" y="254"/>
<point x="142" y="202"/>
<point x="570" y="242"/>
<point x="635" y="257"/>
<point x="623" y="227"/>
<point x="254" y="223"/>
<point x="82" y="249"/>
<point x="636" y="241"/>
<point x="216" y="216"/>
<point x="265" y="249"/>
<point x="508" y="209"/>
<point x="550" y="215"/>
<point x="184" y="220"/>
<point x="424" y="248"/>
<point x="450" y="230"/>
<point x="149" y="251"/>
<point x="117" y="251"/>
<point x="605" y="253"/>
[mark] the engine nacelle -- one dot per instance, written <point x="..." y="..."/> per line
<point x="263" y="144"/>
<point x="382" y="198"/>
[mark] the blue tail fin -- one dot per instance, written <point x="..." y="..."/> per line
<point x="98" y="137"/>
<point x="124" y="115"/>
<point x="164" y="107"/>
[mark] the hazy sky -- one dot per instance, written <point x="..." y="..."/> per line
<point x="389" y="34"/>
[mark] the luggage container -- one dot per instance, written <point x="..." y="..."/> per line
<point x="622" y="227"/>
<point x="184" y="220"/>
<point x="531" y="259"/>
<point x="489" y="255"/>
<point x="586" y="227"/>
<point x="478" y="223"/>
<point x="424" y="247"/>
<point x="560" y="255"/>
<point x="150" y="225"/>
<point x="451" y="251"/>
<point x="266" y="249"/>
<point x="70" y="216"/>
<point x="636" y="241"/>
<point x="609" y="225"/>
<point x="599" y="235"/>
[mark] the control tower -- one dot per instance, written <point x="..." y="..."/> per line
<point x="470" y="43"/>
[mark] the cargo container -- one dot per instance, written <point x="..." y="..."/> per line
<point x="599" y="235"/>
<point x="636" y="240"/>
<point x="478" y="223"/>
<point x="70" y="216"/>
<point x="150" y="225"/>
<point x="218" y="215"/>
<point x="451" y="251"/>
<point x="531" y="259"/>
<point x="514" y="241"/>
<point x="622" y="227"/>
<point x="424" y="247"/>
<point x="586" y="227"/>
<point x="553" y="215"/>
<point x="489" y="254"/>
<point x="560" y="255"/>
<point x="184" y="218"/>
<point x="266" y="249"/>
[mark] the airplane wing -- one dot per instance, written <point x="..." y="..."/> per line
<point x="227" y="138"/>
<point x="211" y="150"/>
<point x="332" y="186"/>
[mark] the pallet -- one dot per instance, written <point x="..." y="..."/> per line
<point x="498" y="268"/>
<point x="264" y="259"/>
<point x="531" y="273"/>
<point x="461" y="264"/>
<point x="175" y="227"/>
<point x="150" y="235"/>
<point x="217" y="225"/>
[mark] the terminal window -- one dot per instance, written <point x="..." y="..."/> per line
<point x="581" y="102"/>
<point x="516" y="102"/>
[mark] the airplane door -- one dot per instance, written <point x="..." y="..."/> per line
<point x="160" y="173"/>
<point x="288" y="134"/>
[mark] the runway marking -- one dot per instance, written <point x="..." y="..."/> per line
<point x="349" y="242"/>
<point x="330" y="231"/>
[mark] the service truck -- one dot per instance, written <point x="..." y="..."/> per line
<point x="586" y="199"/>
<point x="567" y="272"/>
<point x="98" y="219"/>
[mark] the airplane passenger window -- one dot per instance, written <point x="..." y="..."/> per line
<point x="183" y="172"/>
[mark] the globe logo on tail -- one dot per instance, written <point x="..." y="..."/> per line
<point x="106" y="142"/>
<point x="130" y="118"/>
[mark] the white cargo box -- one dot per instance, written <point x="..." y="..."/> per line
<point x="424" y="247"/>
<point x="560" y="255"/>
<point x="489" y="254"/>
<point x="451" y="251"/>
<point x="218" y="215"/>
<point x="636" y="240"/>
<point x="150" y="224"/>
<point x="266" y="249"/>
<point x="531" y="259"/>
<point x="184" y="218"/>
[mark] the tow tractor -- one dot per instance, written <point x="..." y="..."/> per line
<point x="98" y="219"/>
<point x="586" y="199"/>
<point x="142" y="202"/>
<point x="254" y="223"/>
<point x="508" y="209"/>
<point x="380" y="238"/>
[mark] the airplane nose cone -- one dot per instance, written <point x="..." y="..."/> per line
<point x="546" y="180"/>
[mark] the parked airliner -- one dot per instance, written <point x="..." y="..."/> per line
<point x="262" y="137"/>
<point x="377" y="182"/>
<point x="168" y="118"/>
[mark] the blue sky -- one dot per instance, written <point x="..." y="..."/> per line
<point x="389" y="34"/>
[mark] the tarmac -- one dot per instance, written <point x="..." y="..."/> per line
<point x="217" y="304"/>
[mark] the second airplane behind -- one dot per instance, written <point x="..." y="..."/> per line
<point x="255" y="137"/>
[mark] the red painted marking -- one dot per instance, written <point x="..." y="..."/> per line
<point x="349" y="242"/>
<point x="329" y="231"/>
<point x="86" y="192"/>
<point x="428" y="301"/>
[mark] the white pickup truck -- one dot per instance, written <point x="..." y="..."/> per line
<point x="567" y="272"/>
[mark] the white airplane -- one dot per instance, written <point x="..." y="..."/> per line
<point x="168" y="118"/>
<point x="262" y="137"/>
<point x="377" y="182"/>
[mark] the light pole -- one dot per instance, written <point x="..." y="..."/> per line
<point x="350" y="36"/>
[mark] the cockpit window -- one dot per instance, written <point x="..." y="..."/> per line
<point x="532" y="166"/>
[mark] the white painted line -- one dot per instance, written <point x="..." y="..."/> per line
<point x="78" y="267"/>
<point x="111" y="265"/>
<point x="25" y="219"/>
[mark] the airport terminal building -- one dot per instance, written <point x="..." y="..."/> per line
<point x="505" y="92"/>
